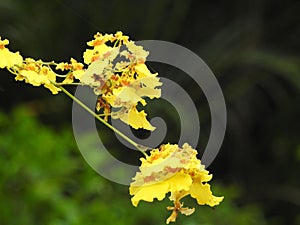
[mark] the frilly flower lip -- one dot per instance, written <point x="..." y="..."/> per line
<point x="176" y="170"/>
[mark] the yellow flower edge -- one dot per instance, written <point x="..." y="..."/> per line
<point x="174" y="170"/>
<point x="8" y="58"/>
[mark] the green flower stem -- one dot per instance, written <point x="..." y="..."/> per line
<point x="138" y="146"/>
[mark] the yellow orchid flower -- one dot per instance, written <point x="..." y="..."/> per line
<point x="175" y="170"/>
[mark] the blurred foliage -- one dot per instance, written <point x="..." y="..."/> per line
<point x="251" y="46"/>
<point x="44" y="180"/>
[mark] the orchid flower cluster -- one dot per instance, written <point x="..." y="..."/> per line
<point x="114" y="67"/>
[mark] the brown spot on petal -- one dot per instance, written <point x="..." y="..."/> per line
<point x="149" y="178"/>
<point x="172" y="170"/>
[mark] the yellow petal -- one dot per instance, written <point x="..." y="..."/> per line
<point x="149" y="92"/>
<point x="125" y="96"/>
<point x="178" y="195"/>
<point x="148" y="192"/>
<point x="97" y="51"/>
<point x="137" y="119"/>
<point x="187" y="211"/>
<point x="52" y="88"/>
<point x="179" y="184"/>
<point x="150" y="82"/>
<point x="78" y="74"/>
<point x="88" y="55"/>
<point x="203" y="195"/>
<point x="33" y="77"/>
<point x="146" y="87"/>
<point x="110" y="99"/>
<point x="20" y="78"/>
<point x="172" y="217"/>
<point x="9" y="59"/>
<point x="143" y="71"/>
<point x="180" y="181"/>
<point x="51" y="77"/>
<point x="93" y="73"/>
<point x="204" y="176"/>
<point x="139" y="53"/>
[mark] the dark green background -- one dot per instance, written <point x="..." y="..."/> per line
<point x="251" y="46"/>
